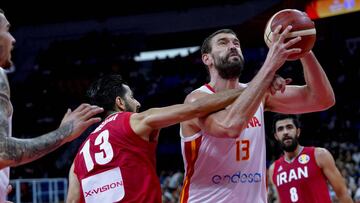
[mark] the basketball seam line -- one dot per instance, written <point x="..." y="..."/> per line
<point x="268" y="36"/>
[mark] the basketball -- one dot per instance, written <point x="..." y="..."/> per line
<point x="302" y="26"/>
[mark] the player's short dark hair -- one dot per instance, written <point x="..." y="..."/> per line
<point x="206" y="46"/>
<point x="279" y="117"/>
<point x="104" y="91"/>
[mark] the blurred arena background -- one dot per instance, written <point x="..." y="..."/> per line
<point x="62" y="48"/>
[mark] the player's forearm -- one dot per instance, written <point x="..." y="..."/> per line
<point x="248" y="102"/>
<point x="73" y="190"/>
<point x="15" y="152"/>
<point x="319" y="88"/>
<point x="215" y="102"/>
<point x="343" y="195"/>
<point x="345" y="199"/>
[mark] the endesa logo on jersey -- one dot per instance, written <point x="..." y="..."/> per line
<point x="237" y="178"/>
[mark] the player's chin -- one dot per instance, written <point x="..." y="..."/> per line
<point x="288" y="142"/>
<point x="234" y="58"/>
<point x="6" y="64"/>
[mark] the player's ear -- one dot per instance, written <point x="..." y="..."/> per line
<point x="207" y="59"/>
<point x="119" y="104"/>
<point x="276" y="137"/>
<point x="298" y="131"/>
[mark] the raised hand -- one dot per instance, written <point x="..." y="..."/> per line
<point x="80" y="119"/>
<point x="279" y="49"/>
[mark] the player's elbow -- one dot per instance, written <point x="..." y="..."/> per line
<point x="71" y="199"/>
<point x="343" y="195"/>
<point x="9" y="157"/>
<point x="3" y="164"/>
<point x="232" y="130"/>
<point x="330" y="101"/>
<point x="233" y="134"/>
<point x="326" y="103"/>
<point x="320" y="102"/>
<point x="5" y="161"/>
<point x="227" y="133"/>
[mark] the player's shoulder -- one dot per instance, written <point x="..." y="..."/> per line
<point x="194" y="95"/>
<point x="271" y="171"/>
<point x="319" y="151"/>
<point x="322" y="156"/>
<point x="272" y="166"/>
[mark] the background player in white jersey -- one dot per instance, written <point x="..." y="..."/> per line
<point x="13" y="151"/>
<point x="224" y="153"/>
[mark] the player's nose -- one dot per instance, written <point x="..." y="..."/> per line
<point x="12" y="38"/>
<point x="138" y="105"/>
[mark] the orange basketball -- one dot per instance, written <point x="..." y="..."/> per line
<point x="302" y="26"/>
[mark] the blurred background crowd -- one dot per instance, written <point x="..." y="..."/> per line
<point x="57" y="58"/>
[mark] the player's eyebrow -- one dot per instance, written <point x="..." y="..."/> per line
<point x="222" y="39"/>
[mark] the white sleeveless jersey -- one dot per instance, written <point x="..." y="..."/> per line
<point x="226" y="170"/>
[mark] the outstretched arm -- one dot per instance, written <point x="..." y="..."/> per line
<point x="144" y="123"/>
<point x="74" y="187"/>
<point x="316" y="95"/>
<point x="326" y="162"/>
<point x="14" y="152"/>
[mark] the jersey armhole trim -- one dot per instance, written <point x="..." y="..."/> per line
<point x="189" y="138"/>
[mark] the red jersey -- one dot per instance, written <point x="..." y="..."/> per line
<point x="302" y="180"/>
<point x="116" y="165"/>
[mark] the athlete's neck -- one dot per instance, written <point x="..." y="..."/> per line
<point x="289" y="156"/>
<point x="220" y="84"/>
<point x="108" y="113"/>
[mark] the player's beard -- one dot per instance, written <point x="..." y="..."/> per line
<point x="130" y="108"/>
<point x="5" y="58"/>
<point x="289" y="147"/>
<point x="229" y="69"/>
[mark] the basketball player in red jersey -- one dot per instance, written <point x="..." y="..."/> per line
<point x="117" y="161"/>
<point x="301" y="174"/>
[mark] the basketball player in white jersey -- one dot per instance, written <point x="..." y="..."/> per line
<point x="224" y="153"/>
<point x="13" y="151"/>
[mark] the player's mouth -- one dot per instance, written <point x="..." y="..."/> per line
<point x="233" y="54"/>
<point x="287" y="140"/>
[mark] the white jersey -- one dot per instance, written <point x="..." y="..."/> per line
<point x="226" y="170"/>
